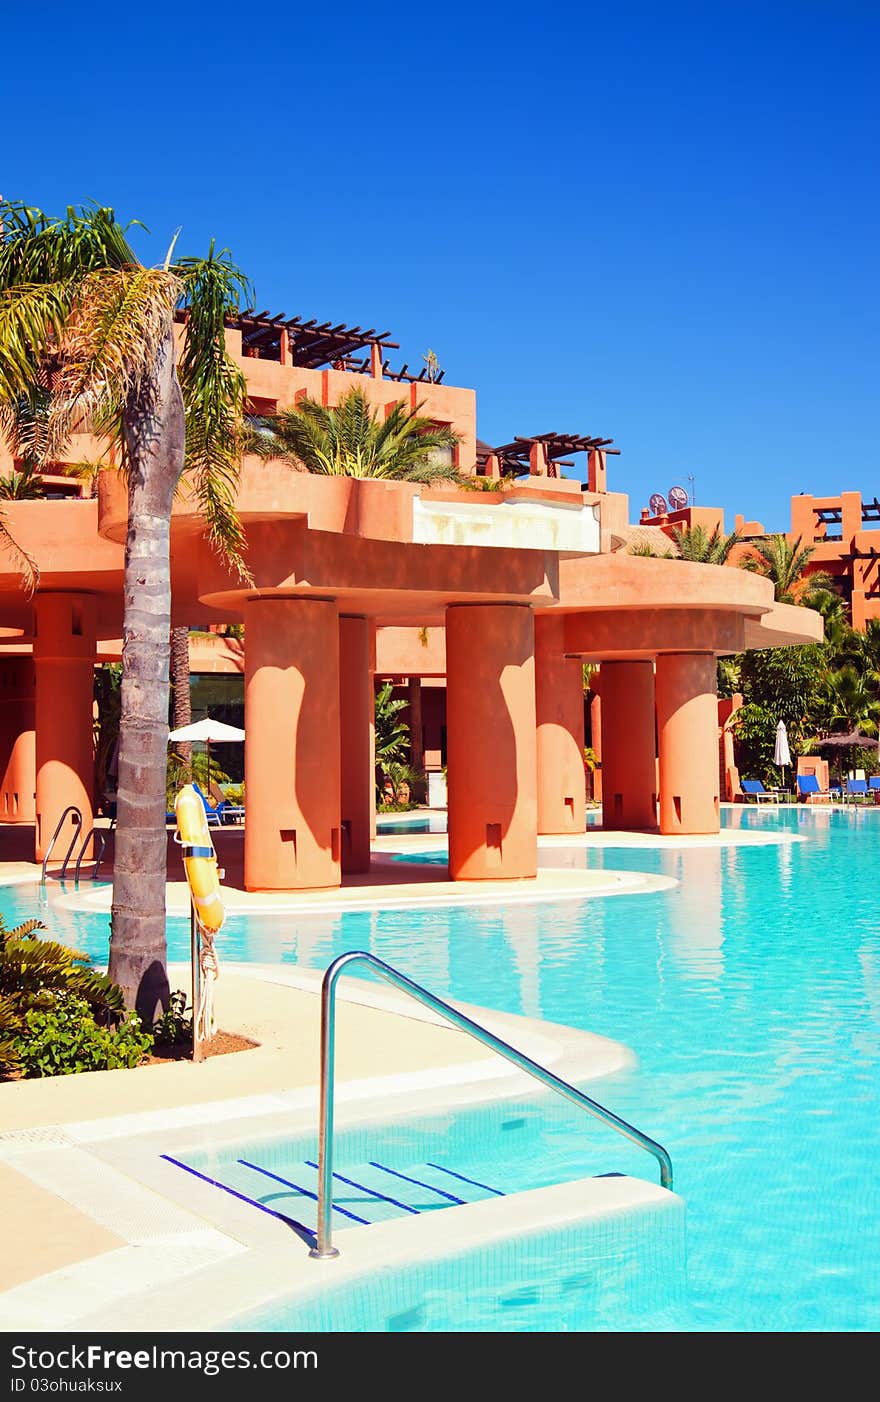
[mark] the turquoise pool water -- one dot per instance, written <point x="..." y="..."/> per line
<point x="750" y="994"/>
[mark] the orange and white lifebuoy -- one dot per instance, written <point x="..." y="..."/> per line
<point x="203" y="879"/>
<point x="199" y="860"/>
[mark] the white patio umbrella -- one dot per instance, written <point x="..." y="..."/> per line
<point x="207" y="730"/>
<point x="781" y="753"/>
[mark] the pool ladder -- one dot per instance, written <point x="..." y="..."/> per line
<point x="99" y="835"/>
<point x="324" y="1248"/>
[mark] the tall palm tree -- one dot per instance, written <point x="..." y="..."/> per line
<point x="86" y="325"/>
<point x="350" y="439"/>
<point x="786" y="565"/>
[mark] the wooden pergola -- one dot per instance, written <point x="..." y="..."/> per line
<point x="514" y="457"/>
<point x="309" y="343"/>
<point x="313" y="344"/>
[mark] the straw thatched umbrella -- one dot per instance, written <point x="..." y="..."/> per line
<point x="847" y="740"/>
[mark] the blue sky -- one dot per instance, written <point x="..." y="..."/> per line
<point x="653" y="222"/>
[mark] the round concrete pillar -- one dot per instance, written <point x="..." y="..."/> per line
<point x="559" y="710"/>
<point x="491" y="746"/>
<point x="687" y="724"/>
<point x="629" y="769"/>
<point x="355" y="741"/>
<point x="292" y="833"/>
<point x="17" y="741"/>
<point x="596" y="736"/>
<point x="64" y="686"/>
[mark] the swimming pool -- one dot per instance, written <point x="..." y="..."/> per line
<point x="750" y="994"/>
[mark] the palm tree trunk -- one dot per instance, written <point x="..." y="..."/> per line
<point x="181" y="708"/>
<point x="154" y="431"/>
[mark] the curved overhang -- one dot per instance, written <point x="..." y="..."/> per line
<point x="786" y="625"/>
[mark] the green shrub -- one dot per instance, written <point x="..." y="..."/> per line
<point x="34" y="974"/>
<point x="176" y="1024"/>
<point x="63" y="1038"/>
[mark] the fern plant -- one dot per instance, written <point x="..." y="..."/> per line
<point x="33" y="971"/>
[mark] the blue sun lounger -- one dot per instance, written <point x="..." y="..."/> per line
<point x="754" y="789"/>
<point x="808" y="787"/>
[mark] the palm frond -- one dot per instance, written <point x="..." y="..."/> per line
<point x="118" y="320"/>
<point x="214" y="395"/>
<point x="351" y="439"/>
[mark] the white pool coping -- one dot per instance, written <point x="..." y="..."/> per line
<point x="177" y="1230"/>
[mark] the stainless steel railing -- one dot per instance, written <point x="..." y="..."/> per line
<point x="324" y="1248"/>
<point x="77" y="829"/>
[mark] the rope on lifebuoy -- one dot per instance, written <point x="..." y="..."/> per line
<point x="203" y="880"/>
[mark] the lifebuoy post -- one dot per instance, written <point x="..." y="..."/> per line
<point x="207" y="912"/>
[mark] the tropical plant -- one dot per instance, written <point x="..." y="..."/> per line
<point x="350" y="439"/>
<point x="23" y="485"/>
<point x="785" y="564"/>
<point x="776" y="684"/>
<point x="176" y="1024"/>
<point x="62" y="1038"/>
<point x="398" y="780"/>
<point x="647" y="551"/>
<point x="32" y="971"/>
<point x="108" y="698"/>
<point x="728" y="675"/>
<point x="391" y="732"/>
<point x="847" y="700"/>
<point x="705" y="547"/>
<point x="86" y="324"/>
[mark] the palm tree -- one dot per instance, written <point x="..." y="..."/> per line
<point x="786" y="565"/>
<point x="692" y="543"/>
<point x="23" y="485"/>
<point x="695" y="543"/>
<point x="350" y="439"/>
<point x="85" y="324"/>
<point x="848" y="700"/>
<point x="181" y="706"/>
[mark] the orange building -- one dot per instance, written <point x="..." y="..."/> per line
<point x="502" y="594"/>
<point x="841" y="532"/>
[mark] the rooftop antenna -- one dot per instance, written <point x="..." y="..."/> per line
<point x="691" y="481"/>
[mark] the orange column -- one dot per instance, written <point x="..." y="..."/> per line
<point x="17" y="741"/>
<point x="355" y="722"/>
<point x="629" y="770"/>
<point x="292" y="833"/>
<point x="64" y="663"/>
<point x="596" y="736"/>
<point x="491" y="747"/>
<point x="559" y="707"/>
<point x="687" y="722"/>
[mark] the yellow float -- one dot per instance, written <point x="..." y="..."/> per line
<point x="208" y="913"/>
<point x="199" y="860"/>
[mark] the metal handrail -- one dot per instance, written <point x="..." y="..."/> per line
<point x="101" y="835"/>
<point x="77" y="829"/>
<point x="324" y="1248"/>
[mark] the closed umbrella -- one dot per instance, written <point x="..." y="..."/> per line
<point x="207" y="730"/>
<point x="781" y="753"/>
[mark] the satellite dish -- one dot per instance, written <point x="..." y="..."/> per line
<point x="658" y="504"/>
<point x="678" y="498"/>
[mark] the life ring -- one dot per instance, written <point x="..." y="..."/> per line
<point x="199" y="859"/>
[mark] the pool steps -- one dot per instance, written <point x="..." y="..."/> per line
<point x="365" y="1193"/>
